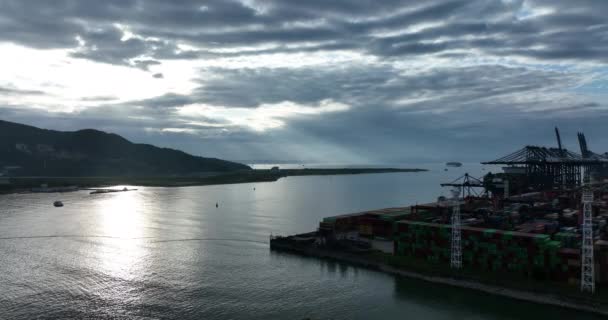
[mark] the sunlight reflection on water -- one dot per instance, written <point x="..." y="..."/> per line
<point x="121" y="215"/>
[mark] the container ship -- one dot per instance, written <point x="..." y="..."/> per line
<point x="453" y="164"/>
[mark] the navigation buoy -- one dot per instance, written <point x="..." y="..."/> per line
<point x="216" y="205"/>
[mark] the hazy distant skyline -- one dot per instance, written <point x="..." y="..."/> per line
<point x="334" y="81"/>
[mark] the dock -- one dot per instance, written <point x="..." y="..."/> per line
<point x="369" y="260"/>
<point x="538" y="230"/>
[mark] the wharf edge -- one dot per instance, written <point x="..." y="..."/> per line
<point x="546" y="299"/>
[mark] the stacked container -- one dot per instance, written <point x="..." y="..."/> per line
<point x="371" y="224"/>
<point x="379" y="223"/>
<point x="488" y="249"/>
<point x="568" y="239"/>
<point x="601" y="247"/>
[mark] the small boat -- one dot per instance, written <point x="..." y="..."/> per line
<point x="454" y="164"/>
<point x="58" y="204"/>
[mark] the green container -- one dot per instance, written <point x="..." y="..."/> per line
<point x="542" y="239"/>
<point x="489" y="233"/>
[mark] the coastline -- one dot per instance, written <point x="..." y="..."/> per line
<point x="25" y="184"/>
<point x="595" y="307"/>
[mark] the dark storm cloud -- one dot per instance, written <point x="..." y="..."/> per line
<point x="366" y="86"/>
<point x="252" y="87"/>
<point x="570" y="30"/>
<point x="166" y="101"/>
<point x="108" y="45"/>
<point x="99" y="98"/>
<point x="36" y="25"/>
<point x="145" y="64"/>
<point x="15" y="91"/>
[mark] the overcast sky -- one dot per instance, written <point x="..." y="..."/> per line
<point x="359" y="81"/>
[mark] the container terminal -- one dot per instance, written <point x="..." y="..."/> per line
<point x="541" y="222"/>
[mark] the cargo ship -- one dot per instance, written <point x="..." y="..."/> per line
<point x="453" y="164"/>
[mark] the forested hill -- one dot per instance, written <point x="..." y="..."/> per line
<point x="41" y="152"/>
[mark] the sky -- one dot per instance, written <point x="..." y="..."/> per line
<point x="341" y="81"/>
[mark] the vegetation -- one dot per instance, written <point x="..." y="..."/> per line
<point x="92" y="153"/>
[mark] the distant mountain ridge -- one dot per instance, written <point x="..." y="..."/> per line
<point x="88" y="152"/>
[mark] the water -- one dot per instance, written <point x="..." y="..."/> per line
<point x="170" y="253"/>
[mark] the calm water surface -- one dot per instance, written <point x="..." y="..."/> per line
<point x="170" y="253"/>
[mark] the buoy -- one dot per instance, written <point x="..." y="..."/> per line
<point x="216" y="205"/>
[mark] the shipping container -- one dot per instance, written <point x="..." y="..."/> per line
<point x="489" y="249"/>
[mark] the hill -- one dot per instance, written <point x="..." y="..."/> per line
<point x="41" y="152"/>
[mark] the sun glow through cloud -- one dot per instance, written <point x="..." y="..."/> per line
<point x="67" y="84"/>
<point x="264" y="117"/>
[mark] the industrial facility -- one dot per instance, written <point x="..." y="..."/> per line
<point x="543" y="218"/>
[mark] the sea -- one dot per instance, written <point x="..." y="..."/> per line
<point x="202" y="253"/>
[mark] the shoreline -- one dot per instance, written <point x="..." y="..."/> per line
<point x="26" y="184"/>
<point x="518" y="294"/>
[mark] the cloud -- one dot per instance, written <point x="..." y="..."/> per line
<point x="264" y="117"/>
<point x="119" y="31"/>
<point x="14" y="91"/>
<point x="345" y="79"/>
